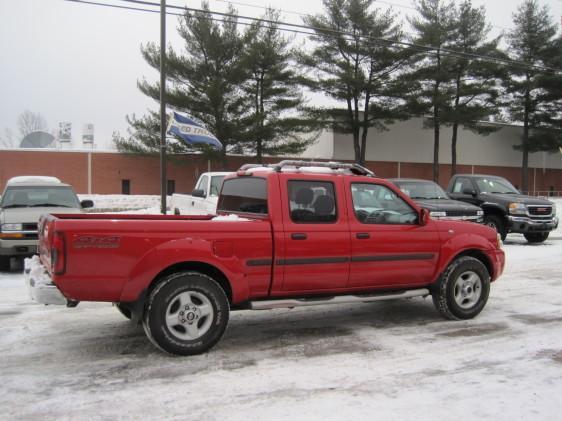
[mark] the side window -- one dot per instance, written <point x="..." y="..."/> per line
<point x="216" y="183"/>
<point x="376" y="204"/>
<point x="312" y="202"/>
<point x="461" y="184"/>
<point x="246" y="194"/>
<point x="202" y="185"/>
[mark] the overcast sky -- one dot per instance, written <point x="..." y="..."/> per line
<point x="80" y="63"/>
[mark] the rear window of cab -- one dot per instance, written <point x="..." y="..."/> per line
<point x="244" y="194"/>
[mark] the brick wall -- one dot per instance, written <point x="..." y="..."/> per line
<point x="109" y="169"/>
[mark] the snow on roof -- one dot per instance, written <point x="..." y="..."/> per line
<point x="33" y="179"/>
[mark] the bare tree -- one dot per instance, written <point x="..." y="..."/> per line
<point x="7" y="140"/>
<point x="29" y="122"/>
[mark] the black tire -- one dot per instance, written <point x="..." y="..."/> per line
<point x="448" y="293"/>
<point x="126" y="312"/>
<point x="204" y="295"/>
<point x="5" y="263"/>
<point x="536" y="237"/>
<point x="496" y="222"/>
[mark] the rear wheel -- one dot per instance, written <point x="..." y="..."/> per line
<point x="186" y="314"/>
<point x="462" y="291"/>
<point x="496" y="222"/>
<point x="536" y="237"/>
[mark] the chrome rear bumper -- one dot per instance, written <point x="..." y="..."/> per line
<point x="39" y="285"/>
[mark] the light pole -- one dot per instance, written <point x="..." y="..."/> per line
<point x="163" y="183"/>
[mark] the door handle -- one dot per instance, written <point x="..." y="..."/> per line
<point x="362" y="235"/>
<point x="298" y="236"/>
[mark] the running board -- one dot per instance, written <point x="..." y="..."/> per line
<point x="341" y="299"/>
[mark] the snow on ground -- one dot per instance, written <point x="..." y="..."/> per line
<point x="387" y="360"/>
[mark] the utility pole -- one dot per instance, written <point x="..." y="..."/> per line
<point x="163" y="183"/>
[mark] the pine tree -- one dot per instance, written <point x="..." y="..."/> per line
<point x="431" y="76"/>
<point x="273" y="93"/>
<point x="203" y="82"/>
<point x="356" y="69"/>
<point x="475" y="82"/>
<point x="547" y="132"/>
<point x="529" y="43"/>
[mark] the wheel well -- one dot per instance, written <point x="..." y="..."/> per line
<point x="492" y="210"/>
<point x="477" y="254"/>
<point x="200" y="267"/>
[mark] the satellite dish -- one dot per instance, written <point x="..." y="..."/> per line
<point x="38" y="139"/>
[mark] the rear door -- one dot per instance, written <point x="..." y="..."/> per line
<point x="317" y="246"/>
<point x="389" y="247"/>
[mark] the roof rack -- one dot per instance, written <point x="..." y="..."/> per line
<point x="353" y="168"/>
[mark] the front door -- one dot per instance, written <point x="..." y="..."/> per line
<point x="389" y="246"/>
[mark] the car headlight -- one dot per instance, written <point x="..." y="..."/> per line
<point x="480" y="213"/>
<point x="12" y="227"/>
<point x="517" y="209"/>
<point x="436" y="214"/>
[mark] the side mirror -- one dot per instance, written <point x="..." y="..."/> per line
<point x="424" y="216"/>
<point x="470" y="192"/>
<point x="87" y="204"/>
<point x="198" y="193"/>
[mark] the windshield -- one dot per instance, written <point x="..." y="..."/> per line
<point x="495" y="185"/>
<point x="34" y="196"/>
<point x="422" y="189"/>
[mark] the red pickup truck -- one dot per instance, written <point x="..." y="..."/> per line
<point x="291" y="234"/>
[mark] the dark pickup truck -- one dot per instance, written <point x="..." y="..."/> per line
<point x="505" y="208"/>
<point x="429" y="195"/>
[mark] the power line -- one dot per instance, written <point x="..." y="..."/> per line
<point x="305" y="30"/>
<point x="376" y="39"/>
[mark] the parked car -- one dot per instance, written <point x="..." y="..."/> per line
<point x="23" y="201"/>
<point x="505" y="208"/>
<point x="203" y="199"/>
<point x="289" y="235"/>
<point x="431" y="196"/>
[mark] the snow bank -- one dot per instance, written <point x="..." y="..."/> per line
<point x="34" y="270"/>
<point x="122" y="202"/>
<point x="231" y="217"/>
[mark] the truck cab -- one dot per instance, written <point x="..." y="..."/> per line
<point x="203" y="199"/>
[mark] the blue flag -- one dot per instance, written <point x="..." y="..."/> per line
<point x="191" y="132"/>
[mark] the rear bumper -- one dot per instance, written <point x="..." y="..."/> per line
<point x="39" y="285"/>
<point x="523" y="224"/>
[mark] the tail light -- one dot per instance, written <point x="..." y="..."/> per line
<point x="58" y="254"/>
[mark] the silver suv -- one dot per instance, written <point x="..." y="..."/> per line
<point x="23" y="201"/>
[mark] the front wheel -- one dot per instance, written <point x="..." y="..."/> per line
<point x="536" y="237"/>
<point x="186" y="314"/>
<point x="462" y="291"/>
